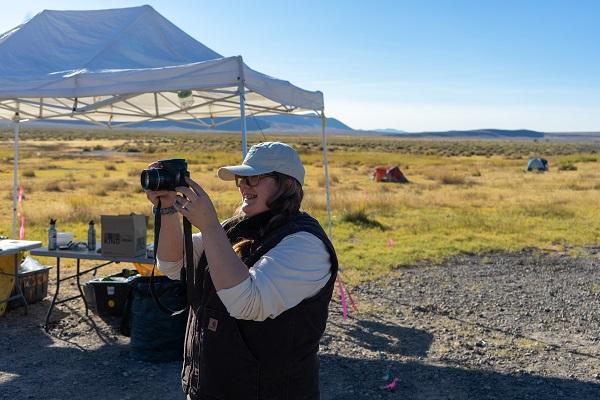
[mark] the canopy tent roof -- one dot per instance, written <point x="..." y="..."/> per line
<point x="130" y="65"/>
<point x="121" y="66"/>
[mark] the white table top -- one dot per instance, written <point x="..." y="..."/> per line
<point x="85" y="254"/>
<point x="9" y="246"/>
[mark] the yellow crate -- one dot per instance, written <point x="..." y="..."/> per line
<point x="7" y="279"/>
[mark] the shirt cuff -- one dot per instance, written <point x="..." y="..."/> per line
<point x="172" y="269"/>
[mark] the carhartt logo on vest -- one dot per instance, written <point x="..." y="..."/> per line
<point x="212" y="324"/>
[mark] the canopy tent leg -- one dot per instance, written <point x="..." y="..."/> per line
<point x="15" y="175"/>
<point x="342" y="290"/>
<point x="243" y="120"/>
<point x="326" y="168"/>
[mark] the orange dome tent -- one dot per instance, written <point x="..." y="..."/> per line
<point x="391" y="174"/>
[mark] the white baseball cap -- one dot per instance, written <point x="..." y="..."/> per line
<point x="266" y="157"/>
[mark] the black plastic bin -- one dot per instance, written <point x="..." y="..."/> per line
<point x="107" y="296"/>
<point x="155" y="335"/>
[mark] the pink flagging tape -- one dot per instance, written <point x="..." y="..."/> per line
<point x="391" y="385"/>
<point x="342" y="298"/>
<point x="343" y="292"/>
<point x="20" y="214"/>
<point x="390" y="243"/>
<point x="22" y="229"/>
<point x="351" y="301"/>
<point x="348" y="293"/>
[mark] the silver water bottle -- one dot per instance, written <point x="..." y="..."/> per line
<point x="52" y="235"/>
<point x="91" y="242"/>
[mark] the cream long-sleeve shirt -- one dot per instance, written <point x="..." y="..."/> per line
<point x="297" y="268"/>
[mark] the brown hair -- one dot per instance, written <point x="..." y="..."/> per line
<point x="284" y="203"/>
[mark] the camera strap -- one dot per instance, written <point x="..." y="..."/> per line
<point x="189" y="259"/>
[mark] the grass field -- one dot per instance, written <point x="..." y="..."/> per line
<point x="464" y="196"/>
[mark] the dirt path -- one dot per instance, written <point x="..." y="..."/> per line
<point x="498" y="326"/>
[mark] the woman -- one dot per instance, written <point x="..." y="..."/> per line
<point x="260" y="285"/>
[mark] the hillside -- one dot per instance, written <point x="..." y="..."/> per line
<point x="268" y="123"/>
<point x="480" y="134"/>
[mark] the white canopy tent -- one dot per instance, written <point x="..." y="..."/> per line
<point x="122" y="66"/>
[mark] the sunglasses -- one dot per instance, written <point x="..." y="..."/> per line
<point x="252" y="180"/>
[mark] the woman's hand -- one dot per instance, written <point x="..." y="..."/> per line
<point x="196" y="206"/>
<point x="166" y="197"/>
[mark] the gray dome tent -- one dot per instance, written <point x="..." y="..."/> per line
<point x="537" y="164"/>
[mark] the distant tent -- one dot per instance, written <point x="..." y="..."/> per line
<point x="537" y="164"/>
<point x="391" y="174"/>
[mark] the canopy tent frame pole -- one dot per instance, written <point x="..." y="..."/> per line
<point x="243" y="120"/>
<point x="326" y="168"/>
<point x="60" y="109"/>
<point x="242" y="91"/>
<point x="15" y="173"/>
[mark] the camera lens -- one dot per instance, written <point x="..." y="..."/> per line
<point x="167" y="176"/>
<point x="148" y="179"/>
<point x="156" y="179"/>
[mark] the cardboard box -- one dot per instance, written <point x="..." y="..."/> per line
<point x="123" y="235"/>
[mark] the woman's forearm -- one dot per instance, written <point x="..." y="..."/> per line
<point x="226" y="268"/>
<point x="170" y="241"/>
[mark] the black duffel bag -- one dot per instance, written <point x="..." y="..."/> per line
<point x="155" y="335"/>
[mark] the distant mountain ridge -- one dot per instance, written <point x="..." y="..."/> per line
<point x="501" y="134"/>
<point x="267" y="123"/>
<point x="311" y="125"/>
<point x="389" y="130"/>
<point x="480" y="133"/>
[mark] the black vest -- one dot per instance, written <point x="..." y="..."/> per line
<point x="229" y="359"/>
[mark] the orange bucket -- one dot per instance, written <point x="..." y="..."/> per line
<point x="146" y="269"/>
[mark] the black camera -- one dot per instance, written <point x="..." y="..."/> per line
<point x="167" y="176"/>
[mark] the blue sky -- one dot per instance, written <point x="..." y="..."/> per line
<point x="409" y="65"/>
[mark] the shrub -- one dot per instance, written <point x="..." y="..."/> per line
<point x="115" y="186"/>
<point x="361" y="218"/>
<point x="452" y="180"/>
<point x="29" y="174"/>
<point x="584" y="159"/>
<point x="53" y="187"/>
<point x="110" y="167"/>
<point x="332" y="179"/>
<point x="567" y="167"/>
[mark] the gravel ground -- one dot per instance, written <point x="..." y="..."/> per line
<point x="496" y="326"/>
